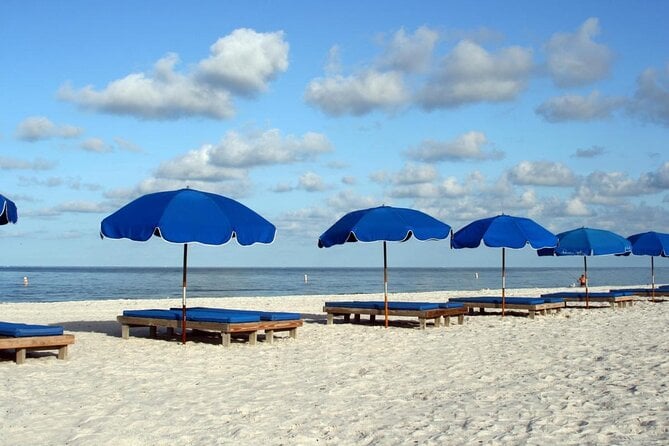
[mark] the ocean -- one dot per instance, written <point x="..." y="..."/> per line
<point x="49" y="284"/>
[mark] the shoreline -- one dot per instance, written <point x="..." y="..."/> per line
<point x="579" y="376"/>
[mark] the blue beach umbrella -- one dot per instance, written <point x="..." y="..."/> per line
<point x="387" y="224"/>
<point x="503" y="231"/>
<point x="588" y="242"/>
<point x="650" y="244"/>
<point x="8" y="213"/>
<point x="187" y="216"/>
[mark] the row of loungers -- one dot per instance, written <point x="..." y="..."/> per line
<point x="225" y="322"/>
<point x="660" y="291"/>
<point x="532" y="305"/>
<point x="25" y="337"/>
<point x="620" y="298"/>
<point x="424" y="311"/>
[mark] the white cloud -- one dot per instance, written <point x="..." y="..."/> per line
<point x="651" y="99"/>
<point x="576" y="208"/>
<point x="36" y="128"/>
<point x="245" y="61"/>
<point x="358" y="94"/>
<point x="241" y="63"/>
<point x="347" y="201"/>
<point x="96" y="145"/>
<point x="266" y="148"/>
<point x="468" y="146"/>
<point x="410" y="53"/>
<point x="163" y="94"/>
<point x="575" y="59"/>
<point x="542" y="173"/>
<point x="413" y="173"/>
<point x="82" y="207"/>
<point x="471" y="74"/>
<point x="579" y="108"/>
<point x="659" y="179"/>
<point x="198" y="165"/>
<point x="311" y="182"/>
<point x="7" y="163"/>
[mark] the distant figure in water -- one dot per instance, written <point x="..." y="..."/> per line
<point x="582" y="280"/>
<point x="25" y="280"/>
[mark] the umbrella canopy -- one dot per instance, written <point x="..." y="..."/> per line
<point x="588" y="242"/>
<point x="186" y="216"/>
<point x="8" y="213"/>
<point x="504" y="231"/>
<point x="650" y="244"/>
<point x="384" y="223"/>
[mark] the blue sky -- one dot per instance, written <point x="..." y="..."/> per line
<point x="304" y="111"/>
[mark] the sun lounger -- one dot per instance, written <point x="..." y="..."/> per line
<point x="618" y="298"/>
<point x="424" y="311"/>
<point x="26" y="337"/>
<point x="646" y="292"/>
<point x="532" y="305"/>
<point x="223" y="321"/>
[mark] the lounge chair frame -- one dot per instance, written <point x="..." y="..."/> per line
<point x="226" y="330"/>
<point x="22" y="345"/>
<point x="423" y="315"/>
<point x="613" y="301"/>
<point x="532" y="309"/>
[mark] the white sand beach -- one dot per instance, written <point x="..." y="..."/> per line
<point x="598" y="376"/>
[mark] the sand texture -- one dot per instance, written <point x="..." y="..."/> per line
<point x="598" y="376"/>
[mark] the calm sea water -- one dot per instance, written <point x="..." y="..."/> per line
<point x="74" y="284"/>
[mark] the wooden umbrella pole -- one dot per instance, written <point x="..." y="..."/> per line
<point x="503" y="280"/>
<point x="385" y="281"/>
<point x="585" y="273"/>
<point x="652" y="277"/>
<point x="183" y="295"/>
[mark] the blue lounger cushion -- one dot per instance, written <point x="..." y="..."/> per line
<point x="581" y="294"/>
<point x="498" y="300"/>
<point x="196" y="316"/>
<point x="154" y="314"/>
<point x="552" y="300"/>
<point x="380" y="305"/>
<point x="451" y="305"/>
<point x="224" y="318"/>
<point x="19" y="330"/>
<point x="263" y="315"/>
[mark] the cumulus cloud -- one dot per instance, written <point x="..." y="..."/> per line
<point x="651" y="98"/>
<point x="542" y="173"/>
<point x="311" y="182"/>
<point x="198" y="165"/>
<point x="416" y="173"/>
<point x="36" y="128"/>
<point x="245" y="61"/>
<point x="471" y="74"/>
<point x="579" y="108"/>
<point x="231" y="158"/>
<point x="241" y="63"/>
<point x="659" y="179"/>
<point x="410" y="53"/>
<point x="468" y="146"/>
<point x="269" y="147"/>
<point x="7" y="163"/>
<point x="575" y="59"/>
<point x="357" y="94"/>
